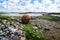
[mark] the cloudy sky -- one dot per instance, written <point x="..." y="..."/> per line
<point x="30" y="5"/>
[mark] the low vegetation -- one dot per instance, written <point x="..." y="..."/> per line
<point x="5" y="18"/>
<point x="34" y="34"/>
<point x="47" y="17"/>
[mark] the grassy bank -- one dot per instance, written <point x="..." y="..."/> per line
<point x="5" y="18"/>
<point x="47" y="17"/>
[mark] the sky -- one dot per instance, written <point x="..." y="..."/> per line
<point x="30" y="5"/>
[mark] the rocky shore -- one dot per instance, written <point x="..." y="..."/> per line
<point x="50" y="29"/>
<point x="11" y="30"/>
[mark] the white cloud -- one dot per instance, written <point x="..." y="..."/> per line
<point x="14" y="1"/>
<point x="45" y="6"/>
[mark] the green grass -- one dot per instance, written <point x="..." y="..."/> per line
<point x="5" y="17"/>
<point x="47" y="17"/>
<point x="31" y="33"/>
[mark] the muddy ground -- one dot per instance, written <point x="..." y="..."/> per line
<point x="50" y="29"/>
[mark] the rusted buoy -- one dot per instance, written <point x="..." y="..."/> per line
<point x="25" y="18"/>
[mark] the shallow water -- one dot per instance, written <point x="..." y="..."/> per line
<point x="20" y="14"/>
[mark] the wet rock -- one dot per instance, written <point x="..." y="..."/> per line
<point x="46" y="29"/>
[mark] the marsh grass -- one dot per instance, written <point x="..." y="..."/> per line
<point x="34" y="34"/>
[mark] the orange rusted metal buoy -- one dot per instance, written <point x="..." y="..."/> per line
<point x="25" y="18"/>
